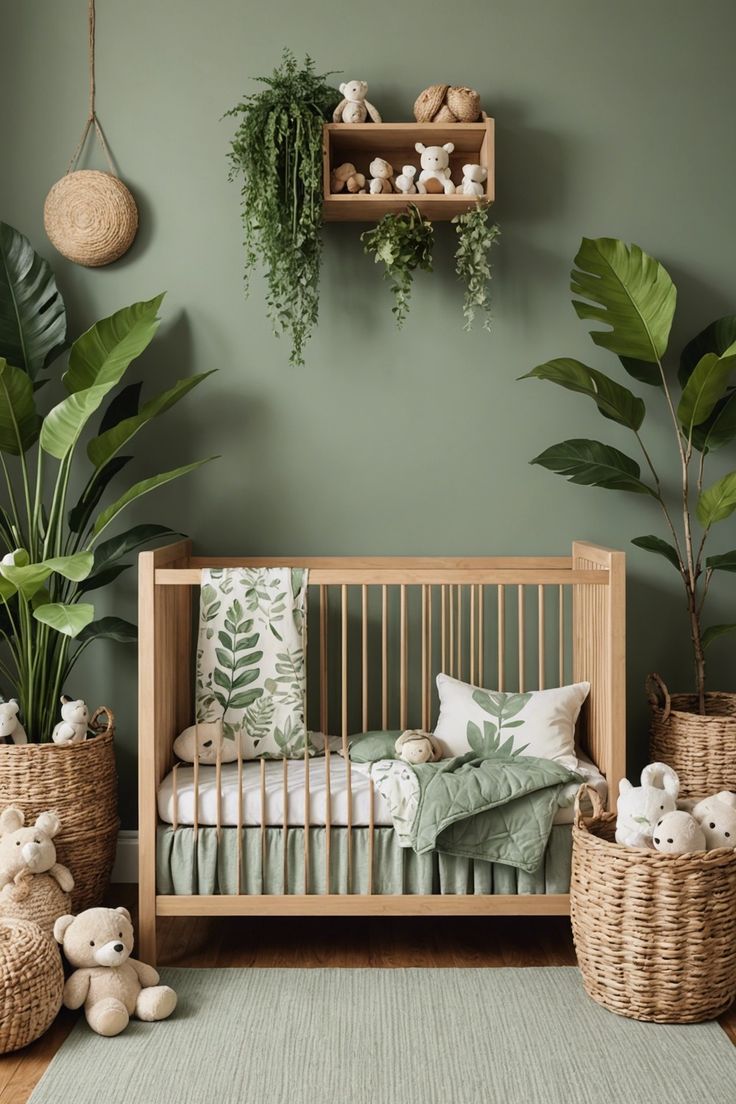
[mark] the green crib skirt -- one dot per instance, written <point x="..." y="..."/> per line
<point x="207" y="866"/>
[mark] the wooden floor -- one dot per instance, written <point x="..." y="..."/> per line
<point x="333" y="942"/>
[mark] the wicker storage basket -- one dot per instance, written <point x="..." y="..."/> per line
<point x="701" y="749"/>
<point x="655" y="935"/>
<point x="31" y="983"/>
<point x="36" y="897"/>
<point x="79" y="783"/>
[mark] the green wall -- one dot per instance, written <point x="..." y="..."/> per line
<point x="612" y="119"/>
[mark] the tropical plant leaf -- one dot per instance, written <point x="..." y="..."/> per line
<point x="29" y="578"/>
<point x="122" y="405"/>
<point x="19" y="421"/>
<point x="720" y="428"/>
<point x="32" y="314"/>
<point x="102" y="354"/>
<point x="144" y="487"/>
<point x="109" y="628"/>
<point x="113" y="550"/>
<point x="627" y="290"/>
<point x="102" y="578"/>
<point x="614" y="401"/>
<point x="80" y="514"/>
<point x="715" y="338"/>
<point x="592" y="464"/>
<point x="705" y="387"/>
<point x="659" y="547"/>
<point x="725" y="562"/>
<point x="718" y="501"/>
<point x="101" y="449"/>
<point x="68" y="620"/>
<point x="643" y="371"/>
<point x="714" y="631"/>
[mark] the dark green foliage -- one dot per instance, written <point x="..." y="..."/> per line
<point x="472" y="263"/>
<point x="403" y="242"/>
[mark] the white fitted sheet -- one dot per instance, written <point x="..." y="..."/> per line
<point x="296" y="797"/>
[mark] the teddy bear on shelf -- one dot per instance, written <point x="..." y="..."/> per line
<point x="435" y="174"/>
<point x="354" y="107"/>
<point x="74" y="723"/>
<point x="347" y="178"/>
<point x="404" y="182"/>
<point x="716" y="815"/>
<point x="11" y="730"/>
<point x="640" y="807"/>
<point x="30" y="848"/>
<point x="474" y="177"/>
<point x="110" y="984"/>
<point x="678" y="833"/>
<point x="415" y="746"/>
<point x="382" y="173"/>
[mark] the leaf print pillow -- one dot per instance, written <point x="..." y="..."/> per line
<point x="494" y="722"/>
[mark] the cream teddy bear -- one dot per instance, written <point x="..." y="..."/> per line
<point x="415" y="746"/>
<point x="381" y="176"/>
<point x="435" y="174"/>
<point x="473" y="180"/>
<point x="110" y="984"/>
<point x="716" y="815"/>
<point x="347" y="176"/>
<point x="10" y="727"/>
<point x="31" y="848"/>
<point x="354" y="107"/>
<point x="404" y="182"/>
<point x="640" y="807"/>
<point x="74" y="723"/>
<point x="678" y="833"/>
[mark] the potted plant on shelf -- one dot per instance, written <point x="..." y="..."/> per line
<point x="56" y="546"/>
<point x="630" y="292"/>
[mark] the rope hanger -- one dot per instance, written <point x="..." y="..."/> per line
<point x="93" y="121"/>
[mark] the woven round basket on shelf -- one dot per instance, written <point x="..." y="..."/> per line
<point x="31" y="983"/>
<point x="79" y="783"/>
<point x="655" y="935"/>
<point x="702" y="749"/>
<point x="90" y="217"/>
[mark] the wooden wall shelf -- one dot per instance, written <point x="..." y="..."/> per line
<point x="359" y="143"/>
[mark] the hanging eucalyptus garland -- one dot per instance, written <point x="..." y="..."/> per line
<point x="476" y="235"/>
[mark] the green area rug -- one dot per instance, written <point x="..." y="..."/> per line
<point x="487" y="1036"/>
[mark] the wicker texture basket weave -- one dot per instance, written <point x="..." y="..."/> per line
<point x="655" y="935"/>
<point x="31" y="983"/>
<point x="36" y="897"/>
<point x="90" y="217"/>
<point x="79" y="783"/>
<point x="701" y="749"/>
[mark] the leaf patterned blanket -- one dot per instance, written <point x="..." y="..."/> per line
<point x="251" y="659"/>
<point x="499" y="808"/>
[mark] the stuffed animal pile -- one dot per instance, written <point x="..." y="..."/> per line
<point x="648" y="815"/>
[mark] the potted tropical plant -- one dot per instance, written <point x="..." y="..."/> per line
<point x="57" y="546"/>
<point x="630" y="292"/>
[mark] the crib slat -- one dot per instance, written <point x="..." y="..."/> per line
<point x="425" y="675"/>
<point x="218" y="787"/>
<point x="307" y="803"/>
<point x="323" y="703"/>
<point x="384" y="657"/>
<point x="328" y="814"/>
<point x="175" y="797"/>
<point x="240" y="824"/>
<point x="451" y="608"/>
<point x="285" y="826"/>
<point x="561" y="637"/>
<point x="481" y="636"/>
<point x="472" y="633"/>
<point x="430" y="641"/>
<point x="402" y="656"/>
<point x="371" y="826"/>
<point x="263" y="825"/>
<point x="459" y="600"/>
<point x="443" y="627"/>
<point x="195" y="833"/>
<point x="501" y="625"/>
<point x="345" y="746"/>
<point x="364" y="652"/>
<point x="522" y="641"/>
<point x="540" y="635"/>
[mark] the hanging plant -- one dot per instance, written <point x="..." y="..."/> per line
<point x="277" y="149"/>
<point x="403" y="242"/>
<point x="472" y="265"/>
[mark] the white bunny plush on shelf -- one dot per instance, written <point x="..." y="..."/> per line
<point x="640" y="807"/>
<point x="404" y="182"/>
<point x="72" y="728"/>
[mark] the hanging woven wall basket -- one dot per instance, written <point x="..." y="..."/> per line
<point x="90" y="216"/>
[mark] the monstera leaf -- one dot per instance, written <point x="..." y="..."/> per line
<point x="32" y="313"/>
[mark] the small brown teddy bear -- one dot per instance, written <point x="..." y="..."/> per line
<point x="110" y="984"/>
<point x="415" y="746"/>
<point x="31" y="848"/>
<point x="382" y="176"/>
<point x="346" y="177"/>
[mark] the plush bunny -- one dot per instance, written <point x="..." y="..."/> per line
<point x="11" y="730"/>
<point x="678" y="833"/>
<point x="473" y="180"/>
<point x="404" y="182"/>
<point x="640" y="807"/>
<point x="30" y="848"/>
<point x="435" y="174"/>
<point x="72" y="728"/>
<point x="415" y="746"/>
<point x="354" y="108"/>
<point x="716" y="815"/>
<point x="382" y="173"/>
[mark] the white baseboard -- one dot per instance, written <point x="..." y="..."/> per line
<point x="126" y="858"/>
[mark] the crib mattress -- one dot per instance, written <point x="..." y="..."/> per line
<point x="176" y="799"/>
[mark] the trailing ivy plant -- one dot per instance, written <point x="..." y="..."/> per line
<point x="476" y="235"/>
<point x="403" y="242"/>
<point x="277" y="150"/>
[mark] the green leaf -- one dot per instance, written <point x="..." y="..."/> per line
<point x="715" y="338"/>
<point x="241" y="701"/>
<point x="659" y="547"/>
<point x="31" y="577"/>
<point x="592" y="464"/>
<point x="32" y="314"/>
<point x="718" y="501"/>
<point x="705" y="387"/>
<point x="139" y="489"/>
<point x="474" y="738"/>
<point x="627" y="290"/>
<point x="103" y="353"/>
<point x="113" y="550"/>
<point x="109" y="628"/>
<point x="614" y="401"/>
<point x="19" y="422"/>
<point x="643" y="371"/>
<point x="80" y="514"/>
<point x="101" y="449"/>
<point x="68" y="620"/>
<point x="102" y="578"/>
<point x="122" y="405"/>
<point x="714" y="631"/>
<point x="725" y="562"/>
<point x="720" y="428"/>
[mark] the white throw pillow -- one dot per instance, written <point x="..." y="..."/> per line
<point x="541" y="722"/>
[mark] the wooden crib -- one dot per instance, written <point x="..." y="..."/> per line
<point x="380" y="628"/>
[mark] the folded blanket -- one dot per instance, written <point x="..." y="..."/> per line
<point x="499" y="809"/>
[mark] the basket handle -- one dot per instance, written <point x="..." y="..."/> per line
<point x="99" y="727"/>
<point x="658" y="694"/>
<point x="586" y="790"/>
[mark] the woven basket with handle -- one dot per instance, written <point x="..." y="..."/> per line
<point x="655" y="935"/>
<point x="79" y="783"/>
<point x="31" y="983"/>
<point x="702" y="749"/>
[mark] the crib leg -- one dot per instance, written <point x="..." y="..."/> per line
<point x="146" y="941"/>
